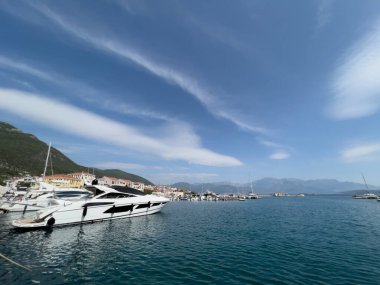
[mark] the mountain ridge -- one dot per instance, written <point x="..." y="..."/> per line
<point x="22" y="153"/>
<point x="270" y="185"/>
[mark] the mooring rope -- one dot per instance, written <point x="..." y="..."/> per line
<point x="14" y="262"/>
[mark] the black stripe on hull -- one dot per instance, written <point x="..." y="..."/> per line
<point x="109" y="218"/>
<point x="120" y="209"/>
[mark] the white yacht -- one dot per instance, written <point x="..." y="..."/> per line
<point x="107" y="204"/>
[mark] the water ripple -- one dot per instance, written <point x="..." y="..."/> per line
<point x="311" y="240"/>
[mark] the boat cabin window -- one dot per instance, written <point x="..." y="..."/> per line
<point x="114" y="195"/>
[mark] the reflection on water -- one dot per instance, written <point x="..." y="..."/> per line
<point x="319" y="240"/>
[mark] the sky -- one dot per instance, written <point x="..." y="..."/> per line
<point x="198" y="91"/>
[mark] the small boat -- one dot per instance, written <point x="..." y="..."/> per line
<point x="107" y="204"/>
<point x="366" y="196"/>
<point x="253" y="195"/>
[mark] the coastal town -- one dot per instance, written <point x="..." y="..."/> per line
<point x="78" y="180"/>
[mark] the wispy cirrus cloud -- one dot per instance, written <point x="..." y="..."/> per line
<point x="78" y="89"/>
<point x="279" y="155"/>
<point x="356" y="84"/>
<point x="270" y="143"/>
<point x="184" y="145"/>
<point x="136" y="111"/>
<point x="8" y="63"/>
<point x="363" y="152"/>
<point x="282" y="151"/>
<point x="169" y="177"/>
<point x="222" y="34"/>
<point x="173" y="76"/>
<point x="132" y="7"/>
<point x="324" y="13"/>
<point x="120" y="165"/>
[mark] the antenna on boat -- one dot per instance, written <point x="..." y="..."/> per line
<point x="46" y="163"/>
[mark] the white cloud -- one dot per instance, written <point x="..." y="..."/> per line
<point x="361" y="152"/>
<point x="324" y="13"/>
<point x="120" y="165"/>
<point x="169" y="177"/>
<point x="129" y="109"/>
<point x="83" y="91"/>
<point x="170" y="75"/>
<point x="279" y="155"/>
<point x="270" y="143"/>
<point x="76" y="88"/>
<point x="7" y="62"/>
<point x="356" y="85"/>
<point x="183" y="144"/>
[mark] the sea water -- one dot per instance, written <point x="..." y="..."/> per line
<point x="298" y="240"/>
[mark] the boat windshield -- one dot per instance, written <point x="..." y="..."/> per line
<point x="94" y="190"/>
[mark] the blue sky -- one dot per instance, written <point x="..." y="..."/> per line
<point x="198" y="91"/>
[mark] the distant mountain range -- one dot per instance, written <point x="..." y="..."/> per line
<point x="22" y="153"/>
<point x="285" y="185"/>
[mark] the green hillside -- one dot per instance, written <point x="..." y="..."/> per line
<point x="22" y="153"/>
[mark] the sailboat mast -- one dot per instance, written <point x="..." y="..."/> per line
<point x="47" y="160"/>
<point x="365" y="182"/>
<point x="251" y="180"/>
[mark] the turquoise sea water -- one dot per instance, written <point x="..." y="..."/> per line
<point x="310" y="240"/>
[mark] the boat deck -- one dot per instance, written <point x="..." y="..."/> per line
<point x="26" y="221"/>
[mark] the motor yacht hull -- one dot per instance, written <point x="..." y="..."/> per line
<point x="93" y="211"/>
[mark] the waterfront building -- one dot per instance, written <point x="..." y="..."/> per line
<point x="106" y="180"/>
<point x="138" y="186"/>
<point x="149" y="187"/>
<point x="84" y="176"/>
<point x="112" y="181"/>
<point x="62" y="180"/>
<point x="124" y="182"/>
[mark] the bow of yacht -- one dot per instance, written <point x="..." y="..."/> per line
<point x="46" y="196"/>
<point x="106" y="204"/>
